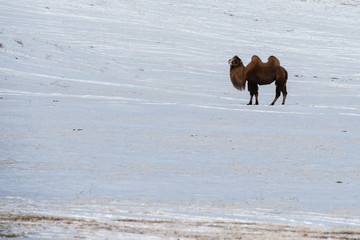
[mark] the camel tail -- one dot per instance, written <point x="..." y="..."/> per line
<point x="286" y="74"/>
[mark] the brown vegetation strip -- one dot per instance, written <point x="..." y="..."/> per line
<point x="36" y="218"/>
<point x="25" y="224"/>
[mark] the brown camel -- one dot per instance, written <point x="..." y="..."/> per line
<point x="258" y="73"/>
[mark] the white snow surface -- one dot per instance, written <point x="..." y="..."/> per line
<point x="119" y="120"/>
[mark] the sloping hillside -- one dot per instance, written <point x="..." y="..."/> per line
<point x="118" y="119"/>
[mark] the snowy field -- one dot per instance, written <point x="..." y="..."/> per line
<point x="119" y="120"/>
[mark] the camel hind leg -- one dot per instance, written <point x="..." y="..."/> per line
<point x="277" y="93"/>
<point x="284" y="92"/>
<point x="281" y="78"/>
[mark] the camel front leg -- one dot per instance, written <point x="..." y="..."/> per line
<point x="251" y="98"/>
<point x="253" y="89"/>
<point x="256" y="98"/>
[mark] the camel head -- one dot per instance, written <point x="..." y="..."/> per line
<point x="235" y="61"/>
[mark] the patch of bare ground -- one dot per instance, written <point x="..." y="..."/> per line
<point x="351" y="3"/>
<point x="5" y="235"/>
<point x="29" y="225"/>
<point x="19" y="42"/>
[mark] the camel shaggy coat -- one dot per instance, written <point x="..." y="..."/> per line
<point x="258" y="73"/>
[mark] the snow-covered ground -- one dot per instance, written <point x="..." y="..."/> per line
<point x="119" y="120"/>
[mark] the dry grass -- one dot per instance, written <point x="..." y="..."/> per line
<point x="28" y="225"/>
